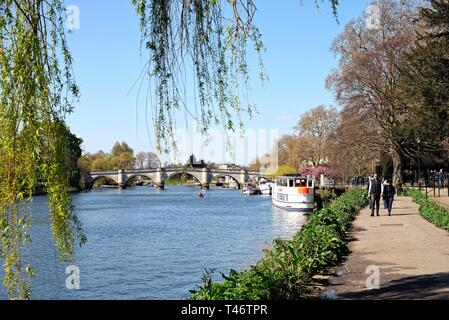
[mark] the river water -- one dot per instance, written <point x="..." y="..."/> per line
<point x="145" y="244"/>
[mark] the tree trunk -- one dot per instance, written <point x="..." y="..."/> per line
<point x="397" y="167"/>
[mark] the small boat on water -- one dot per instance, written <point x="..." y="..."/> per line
<point x="294" y="193"/>
<point x="250" y="189"/>
<point x="265" y="187"/>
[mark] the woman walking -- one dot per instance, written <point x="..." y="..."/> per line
<point x="389" y="193"/>
<point x="385" y="199"/>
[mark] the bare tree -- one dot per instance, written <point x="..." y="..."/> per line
<point x="147" y="160"/>
<point x="354" y="147"/>
<point x="366" y="81"/>
<point x="313" y="131"/>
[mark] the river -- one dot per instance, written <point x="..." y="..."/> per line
<point x="145" y="244"/>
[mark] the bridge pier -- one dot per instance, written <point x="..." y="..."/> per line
<point x="205" y="179"/>
<point x="159" y="182"/>
<point x="121" y="179"/>
<point x="243" y="178"/>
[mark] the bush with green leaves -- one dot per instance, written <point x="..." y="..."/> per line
<point x="430" y="210"/>
<point x="286" y="271"/>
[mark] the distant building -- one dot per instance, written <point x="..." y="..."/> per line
<point x="192" y="162"/>
<point x="228" y="166"/>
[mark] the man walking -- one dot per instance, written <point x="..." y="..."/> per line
<point x="376" y="189"/>
<point x="441" y="177"/>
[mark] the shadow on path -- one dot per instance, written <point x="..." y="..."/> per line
<point x="426" y="287"/>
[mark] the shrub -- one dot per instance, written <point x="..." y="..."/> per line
<point x="430" y="210"/>
<point x="287" y="268"/>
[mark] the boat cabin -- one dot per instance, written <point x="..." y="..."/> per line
<point x="295" y="182"/>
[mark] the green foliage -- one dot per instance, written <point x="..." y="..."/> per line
<point x="212" y="36"/>
<point x="286" y="270"/>
<point x="121" y="157"/>
<point x="425" y="81"/>
<point x="120" y="148"/>
<point x="37" y="90"/>
<point x="430" y="210"/>
<point x="282" y="171"/>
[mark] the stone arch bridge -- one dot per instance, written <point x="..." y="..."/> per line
<point x="161" y="175"/>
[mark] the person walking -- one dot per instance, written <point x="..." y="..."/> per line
<point x="441" y="178"/>
<point x="368" y="189"/>
<point x="384" y="198"/>
<point x="375" y="191"/>
<point x="389" y="193"/>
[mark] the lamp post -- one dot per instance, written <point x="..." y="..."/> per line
<point x="418" y="140"/>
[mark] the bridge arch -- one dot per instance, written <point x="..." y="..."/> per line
<point x="96" y="178"/>
<point x="171" y="174"/>
<point x="137" y="175"/>
<point x="236" y="179"/>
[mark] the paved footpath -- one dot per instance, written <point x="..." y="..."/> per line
<point x="411" y="254"/>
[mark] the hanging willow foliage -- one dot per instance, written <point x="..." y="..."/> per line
<point x="213" y="36"/>
<point x="36" y="92"/>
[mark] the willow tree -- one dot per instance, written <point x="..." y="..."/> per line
<point x="37" y="91"/>
<point x="214" y="37"/>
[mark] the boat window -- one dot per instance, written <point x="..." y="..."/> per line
<point x="291" y="183"/>
<point x="300" y="183"/>
<point x="310" y="184"/>
<point x="282" y="182"/>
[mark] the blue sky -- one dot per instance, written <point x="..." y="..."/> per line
<point x="108" y="61"/>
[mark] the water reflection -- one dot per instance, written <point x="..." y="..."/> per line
<point x="287" y="224"/>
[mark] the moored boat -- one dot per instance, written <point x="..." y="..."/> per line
<point x="294" y="193"/>
<point x="265" y="187"/>
<point x="250" y="189"/>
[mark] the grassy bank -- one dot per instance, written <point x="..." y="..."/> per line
<point x="429" y="209"/>
<point x="286" y="270"/>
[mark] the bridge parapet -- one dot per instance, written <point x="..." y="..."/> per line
<point x="160" y="175"/>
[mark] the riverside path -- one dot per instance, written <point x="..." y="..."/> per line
<point x="410" y="254"/>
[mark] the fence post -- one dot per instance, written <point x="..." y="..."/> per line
<point x="434" y="186"/>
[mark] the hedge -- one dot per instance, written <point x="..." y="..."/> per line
<point x="429" y="209"/>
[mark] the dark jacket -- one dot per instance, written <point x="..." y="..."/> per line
<point x="389" y="191"/>
<point x="376" y="188"/>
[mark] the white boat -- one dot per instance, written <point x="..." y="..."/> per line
<point x="250" y="189"/>
<point x="266" y="188"/>
<point x="233" y="184"/>
<point x="294" y="193"/>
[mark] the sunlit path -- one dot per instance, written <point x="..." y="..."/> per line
<point x="412" y="256"/>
